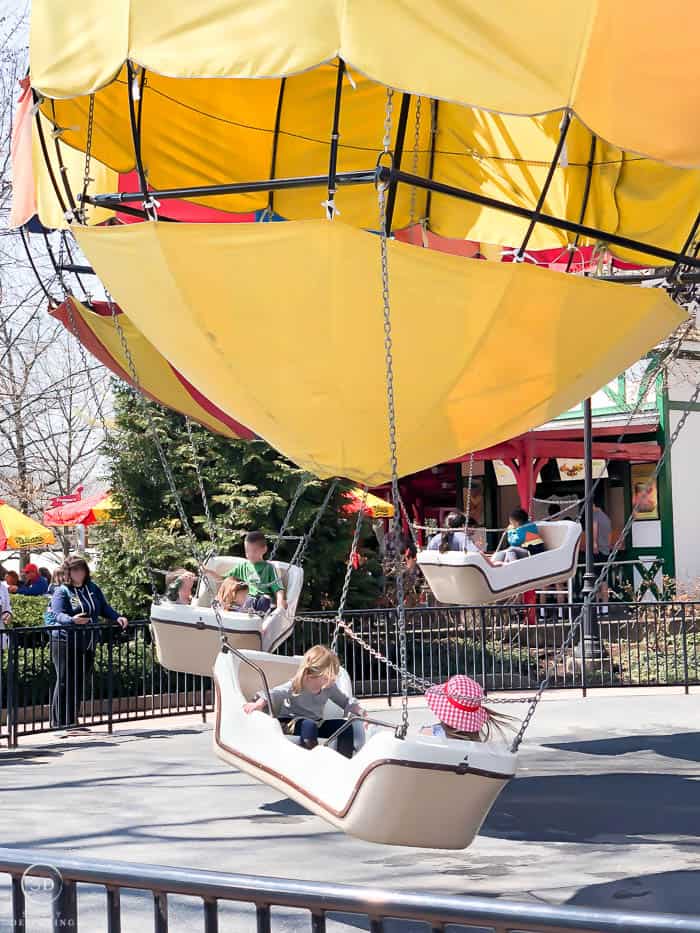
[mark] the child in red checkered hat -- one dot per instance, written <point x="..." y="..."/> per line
<point x="458" y="705"/>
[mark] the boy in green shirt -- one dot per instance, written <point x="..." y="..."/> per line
<point x="258" y="574"/>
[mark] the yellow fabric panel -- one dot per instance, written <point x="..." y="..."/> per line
<point x="622" y="66"/>
<point x="640" y="80"/>
<point x="508" y="158"/>
<point x="245" y="38"/>
<point x="48" y="205"/>
<point x="192" y="128"/>
<point x="508" y="346"/>
<point x="656" y="204"/>
<point x="75" y="48"/>
<point x="508" y="56"/>
<point x="155" y="375"/>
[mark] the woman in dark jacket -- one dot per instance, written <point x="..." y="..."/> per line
<point x="76" y="603"/>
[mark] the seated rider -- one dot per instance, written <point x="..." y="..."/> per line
<point x="454" y="539"/>
<point x="523" y="539"/>
<point x="461" y="713"/>
<point x="232" y="594"/>
<point x="178" y="585"/>
<point x="258" y="574"/>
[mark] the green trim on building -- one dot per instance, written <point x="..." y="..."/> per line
<point x="664" y="483"/>
<point x="683" y="406"/>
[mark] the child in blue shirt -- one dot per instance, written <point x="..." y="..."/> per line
<point x="523" y="538"/>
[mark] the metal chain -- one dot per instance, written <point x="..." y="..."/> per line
<point x="576" y="623"/>
<point x="300" y="553"/>
<point x="402" y="730"/>
<point x="349" y="569"/>
<point x="115" y="456"/>
<point x="211" y="527"/>
<point x="414" y="165"/>
<point x="469" y="501"/>
<point x="153" y="431"/>
<point x="290" y="511"/>
<point x="81" y="213"/>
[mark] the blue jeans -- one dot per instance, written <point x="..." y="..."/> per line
<point x="259" y="603"/>
<point x="310" y="732"/>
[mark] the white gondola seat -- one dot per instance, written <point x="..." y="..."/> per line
<point x="187" y="636"/>
<point x="419" y="791"/>
<point x="464" y="578"/>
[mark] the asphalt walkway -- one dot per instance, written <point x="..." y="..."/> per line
<point x="604" y="811"/>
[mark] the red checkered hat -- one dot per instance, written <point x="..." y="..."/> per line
<point x="450" y="703"/>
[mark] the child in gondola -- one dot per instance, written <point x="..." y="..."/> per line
<point x="233" y="595"/>
<point x="299" y="703"/>
<point x="461" y="713"/>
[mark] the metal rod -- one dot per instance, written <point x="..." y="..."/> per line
<point x="61" y="165"/>
<point x="584" y="199"/>
<point x="114" y="910"/>
<point x="547" y="219"/>
<point x="333" y="155"/>
<point x="136" y="130"/>
<point x="65" y="906"/>
<point x="45" y="153"/>
<point x="23" y="237"/>
<point x="565" y="123"/>
<point x="275" y="141"/>
<point x="686" y="247"/>
<point x="434" y="107"/>
<point x="589" y="576"/>
<point x="82" y="270"/>
<point x="398" y="155"/>
<point x="245" y="187"/>
<point x="211" y="915"/>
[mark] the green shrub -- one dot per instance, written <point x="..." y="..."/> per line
<point x="27" y="610"/>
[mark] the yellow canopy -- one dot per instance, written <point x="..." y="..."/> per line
<point x="630" y="68"/>
<point x="217" y="131"/>
<point x="280" y="325"/>
<point x="20" y="531"/>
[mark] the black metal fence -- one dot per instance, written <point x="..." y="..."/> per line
<point x="107" y="678"/>
<point x="513" y="647"/>
<point x="96" y="676"/>
<point x="46" y="883"/>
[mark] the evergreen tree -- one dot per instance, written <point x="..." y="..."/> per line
<point x="248" y="485"/>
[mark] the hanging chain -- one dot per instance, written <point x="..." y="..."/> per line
<point x="290" y="511"/>
<point x="391" y="415"/>
<point x="300" y="553"/>
<point x="81" y="212"/>
<point x="414" y="165"/>
<point x="349" y="569"/>
<point x="469" y="500"/>
<point x="576" y="623"/>
<point x="211" y="527"/>
<point x="111" y="443"/>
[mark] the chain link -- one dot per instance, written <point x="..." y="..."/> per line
<point x="300" y="553"/>
<point x="111" y="443"/>
<point x="290" y="511"/>
<point x="81" y="213"/>
<point x="402" y="730"/>
<point x="349" y="569"/>
<point x="469" y="501"/>
<point x="211" y="527"/>
<point x="414" y="165"/>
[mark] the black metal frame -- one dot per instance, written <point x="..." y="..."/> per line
<point x="319" y="899"/>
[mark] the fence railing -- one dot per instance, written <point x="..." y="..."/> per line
<point x="513" y="647"/>
<point x="95" y="676"/>
<point x="45" y="685"/>
<point x="47" y="881"/>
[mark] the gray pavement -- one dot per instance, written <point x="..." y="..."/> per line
<point x="604" y="812"/>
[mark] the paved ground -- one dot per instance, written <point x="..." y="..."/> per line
<point x="604" y="812"/>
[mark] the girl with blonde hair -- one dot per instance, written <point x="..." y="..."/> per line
<point x="232" y="594"/>
<point x="299" y="703"/>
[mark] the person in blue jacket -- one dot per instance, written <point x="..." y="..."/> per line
<point x="34" y="584"/>
<point x="74" y="604"/>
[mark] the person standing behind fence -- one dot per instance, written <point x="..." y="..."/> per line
<point x="5" y="608"/>
<point x="602" y="536"/>
<point x="74" y="604"/>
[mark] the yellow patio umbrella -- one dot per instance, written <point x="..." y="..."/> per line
<point x="21" y="531"/>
